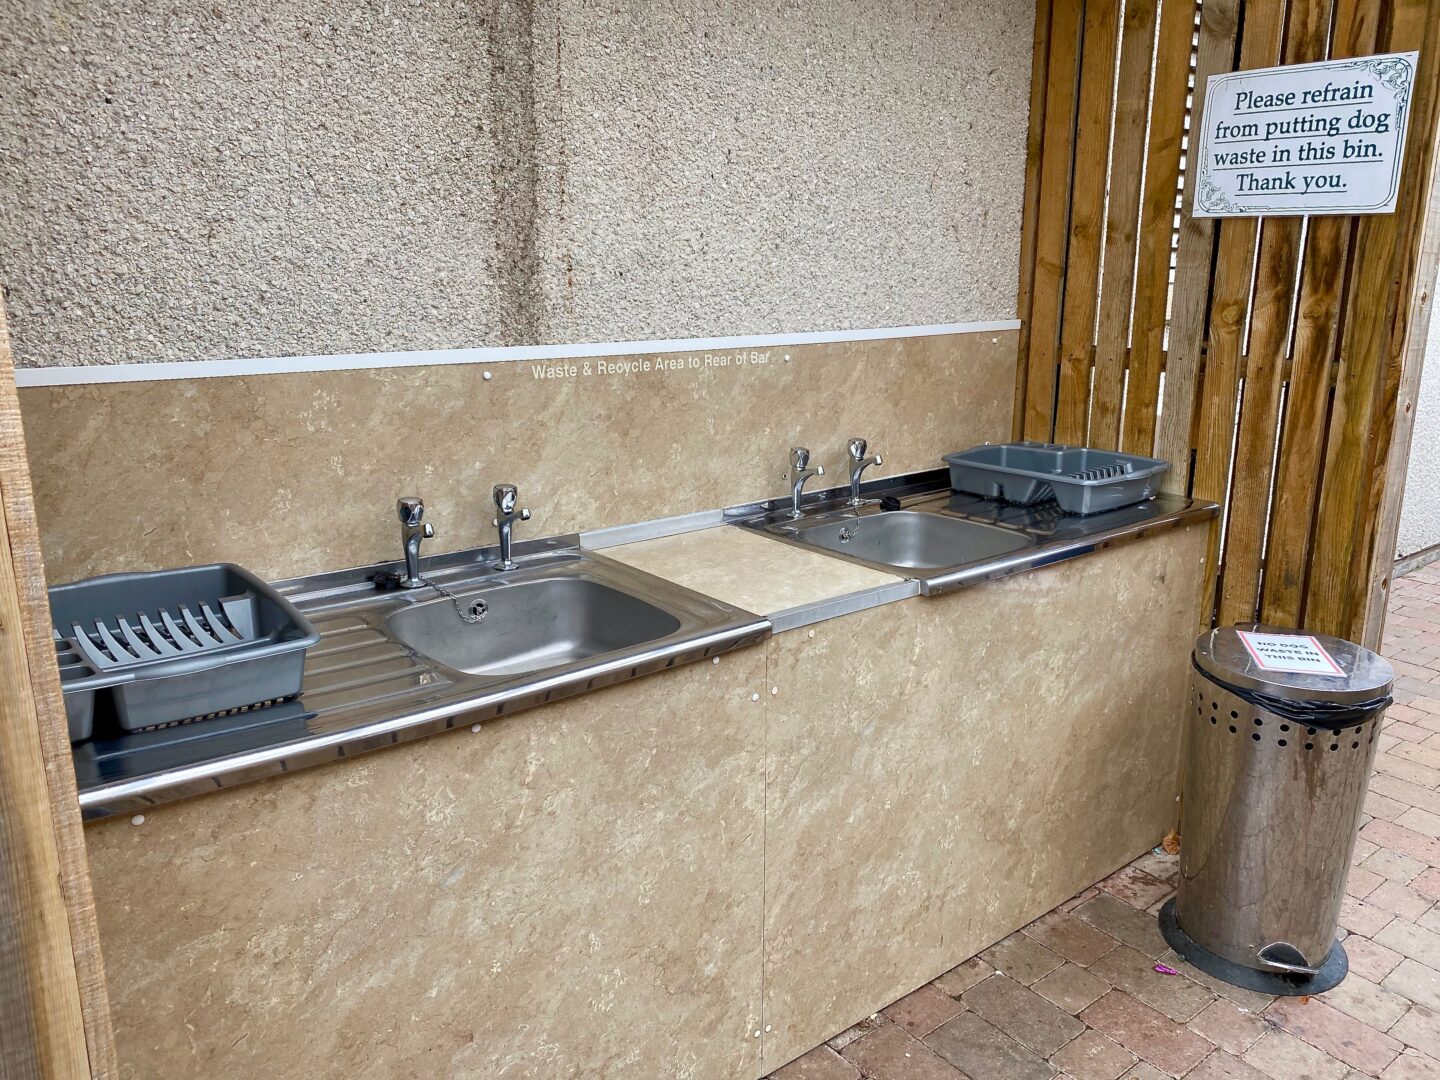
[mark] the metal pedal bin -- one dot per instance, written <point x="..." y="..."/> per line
<point x="1277" y="761"/>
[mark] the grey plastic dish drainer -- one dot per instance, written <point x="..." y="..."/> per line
<point x="1080" y="480"/>
<point x="159" y="648"/>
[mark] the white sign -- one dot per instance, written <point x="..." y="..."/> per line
<point x="1299" y="653"/>
<point x="1324" y="138"/>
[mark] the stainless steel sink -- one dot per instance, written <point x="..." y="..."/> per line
<point x="529" y="626"/>
<point x="912" y="540"/>
<point x="943" y="540"/>
<point x="398" y="665"/>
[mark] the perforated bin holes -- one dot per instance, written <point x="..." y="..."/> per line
<point x="1332" y="741"/>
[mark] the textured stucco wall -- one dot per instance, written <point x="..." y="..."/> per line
<point x="190" y="180"/>
<point x="1420" y="510"/>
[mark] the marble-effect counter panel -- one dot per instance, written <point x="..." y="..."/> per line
<point x="570" y="892"/>
<point x="748" y="570"/>
<point x="941" y="771"/>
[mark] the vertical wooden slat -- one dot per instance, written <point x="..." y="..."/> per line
<point x="1029" y="222"/>
<point x="1152" y="275"/>
<point x="1132" y="91"/>
<point x="1052" y="220"/>
<point x="1087" y="213"/>
<point x="1305" y="41"/>
<point x="1384" y="254"/>
<point x="54" y="1019"/>
<point x="1414" y="26"/>
<point x="1302" y="440"/>
<point x="1194" y="256"/>
<point x="1382" y="558"/>
<point x="1230" y="300"/>
<point x="1216" y="397"/>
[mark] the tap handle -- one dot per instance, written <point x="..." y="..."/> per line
<point x="524" y="515"/>
<point x="799" y="458"/>
<point x="411" y="512"/>
<point x="505" y="496"/>
<point x="857" y="449"/>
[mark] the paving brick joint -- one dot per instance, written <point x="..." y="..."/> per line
<point x="1075" y="995"/>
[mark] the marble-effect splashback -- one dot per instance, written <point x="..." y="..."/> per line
<point x="294" y="474"/>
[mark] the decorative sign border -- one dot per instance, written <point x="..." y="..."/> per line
<point x="1395" y="70"/>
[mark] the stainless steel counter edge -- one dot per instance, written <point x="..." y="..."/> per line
<point x="128" y="796"/>
<point x="653" y="529"/>
<point x="1060" y="551"/>
<point x="809" y="614"/>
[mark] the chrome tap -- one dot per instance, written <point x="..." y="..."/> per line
<point x="413" y="529"/>
<point x="799" y="473"/>
<point x="858" y="464"/>
<point x="505" y="496"/>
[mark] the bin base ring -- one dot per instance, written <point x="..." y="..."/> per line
<point x="1332" y="971"/>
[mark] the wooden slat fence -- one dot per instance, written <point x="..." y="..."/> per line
<point x="1267" y="359"/>
<point x="54" y="1004"/>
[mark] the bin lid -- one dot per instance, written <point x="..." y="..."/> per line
<point x="1364" y="675"/>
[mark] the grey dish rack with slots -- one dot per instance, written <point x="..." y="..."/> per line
<point x="158" y="648"/>
<point x="1078" y="479"/>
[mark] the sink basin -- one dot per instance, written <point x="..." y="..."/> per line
<point x="393" y="666"/>
<point x="911" y="540"/>
<point x="530" y="626"/>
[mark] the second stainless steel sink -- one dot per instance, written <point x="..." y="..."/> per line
<point x="529" y="626"/>
<point x="912" y="540"/>
<point x="943" y="540"/>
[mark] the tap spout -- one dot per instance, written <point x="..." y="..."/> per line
<point x="413" y="529"/>
<point x="506" y="497"/>
<point x="799" y="473"/>
<point x="858" y="464"/>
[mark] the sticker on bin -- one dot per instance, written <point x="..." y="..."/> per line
<point x="1297" y="653"/>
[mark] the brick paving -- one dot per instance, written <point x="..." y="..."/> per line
<point x="1075" y="995"/>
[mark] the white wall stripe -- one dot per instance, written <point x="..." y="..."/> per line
<point x="289" y="365"/>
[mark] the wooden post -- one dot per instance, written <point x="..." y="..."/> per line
<point x="54" y="1011"/>
<point x="1392" y="488"/>
<point x="1288" y="353"/>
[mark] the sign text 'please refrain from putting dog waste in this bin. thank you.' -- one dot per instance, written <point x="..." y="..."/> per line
<point x="1326" y="138"/>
